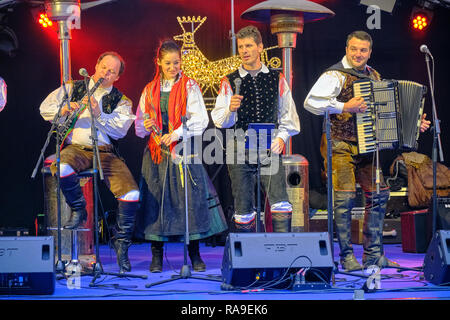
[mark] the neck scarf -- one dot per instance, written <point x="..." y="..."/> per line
<point x="177" y="109"/>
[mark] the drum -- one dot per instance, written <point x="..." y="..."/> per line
<point x="85" y="239"/>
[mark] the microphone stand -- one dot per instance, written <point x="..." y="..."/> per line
<point x="436" y="139"/>
<point x="258" y="187"/>
<point x="330" y="205"/>
<point x="60" y="267"/>
<point x="97" y="168"/>
<point x="185" y="272"/>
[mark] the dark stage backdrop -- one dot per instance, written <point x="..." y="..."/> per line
<point x="134" y="29"/>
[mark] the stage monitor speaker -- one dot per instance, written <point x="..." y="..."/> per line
<point x="270" y="260"/>
<point x="436" y="267"/>
<point x="443" y="214"/>
<point x="27" y="265"/>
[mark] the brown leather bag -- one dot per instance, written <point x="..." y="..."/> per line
<point x="420" y="178"/>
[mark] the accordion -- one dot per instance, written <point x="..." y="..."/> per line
<point x="392" y="119"/>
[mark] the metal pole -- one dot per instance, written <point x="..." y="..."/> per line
<point x="233" y="36"/>
<point x="286" y="26"/>
<point x="64" y="36"/>
<point x="287" y="71"/>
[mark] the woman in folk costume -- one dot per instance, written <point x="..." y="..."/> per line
<point x="170" y="96"/>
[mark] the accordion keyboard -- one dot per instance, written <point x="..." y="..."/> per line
<point x="379" y="123"/>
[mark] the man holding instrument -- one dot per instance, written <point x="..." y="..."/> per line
<point x="113" y="115"/>
<point x="263" y="97"/>
<point x="334" y="91"/>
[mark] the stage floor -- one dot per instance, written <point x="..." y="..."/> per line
<point x="394" y="284"/>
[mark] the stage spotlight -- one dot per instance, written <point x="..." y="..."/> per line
<point x="8" y="41"/>
<point x="420" y="21"/>
<point x="421" y="16"/>
<point x="44" y="21"/>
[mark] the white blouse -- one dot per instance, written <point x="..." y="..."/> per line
<point x="196" y="115"/>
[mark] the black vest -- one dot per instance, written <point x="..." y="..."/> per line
<point x="344" y="124"/>
<point x="260" y="102"/>
<point x="109" y="101"/>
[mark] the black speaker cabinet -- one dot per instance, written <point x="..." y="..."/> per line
<point x="27" y="265"/>
<point x="443" y="214"/>
<point x="269" y="260"/>
<point x="297" y="188"/>
<point x="436" y="267"/>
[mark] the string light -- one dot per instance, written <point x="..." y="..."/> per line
<point x="208" y="74"/>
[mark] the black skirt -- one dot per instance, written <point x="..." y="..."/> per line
<point x="163" y="201"/>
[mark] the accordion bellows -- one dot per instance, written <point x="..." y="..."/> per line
<point x="392" y="119"/>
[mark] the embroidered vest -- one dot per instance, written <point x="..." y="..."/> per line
<point x="343" y="126"/>
<point x="260" y="102"/>
<point x="109" y="101"/>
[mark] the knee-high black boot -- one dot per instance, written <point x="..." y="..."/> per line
<point x="373" y="230"/>
<point x="194" y="254"/>
<point x="281" y="221"/>
<point x="70" y="187"/>
<point x="124" y="233"/>
<point x="157" y="256"/>
<point x="343" y="204"/>
<point x="241" y="226"/>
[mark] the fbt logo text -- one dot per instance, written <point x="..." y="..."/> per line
<point x="7" y="252"/>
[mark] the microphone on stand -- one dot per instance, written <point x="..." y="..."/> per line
<point x="237" y="83"/>
<point x="424" y="49"/>
<point x="83" y="72"/>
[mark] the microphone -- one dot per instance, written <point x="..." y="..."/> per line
<point x="237" y="83"/>
<point x="83" y="72"/>
<point x="146" y="116"/>
<point x="424" y="49"/>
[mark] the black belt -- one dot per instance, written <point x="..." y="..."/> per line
<point x="105" y="148"/>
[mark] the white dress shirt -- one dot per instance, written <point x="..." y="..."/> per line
<point x="322" y="95"/>
<point x="196" y="115"/>
<point x="114" y="125"/>
<point x="288" y="121"/>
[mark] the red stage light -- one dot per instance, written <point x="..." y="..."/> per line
<point x="420" y="21"/>
<point x="44" y="21"/>
<point x="421" y="17"/>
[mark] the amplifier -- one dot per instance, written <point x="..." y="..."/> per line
<point x="443" y="214"/>
<point x="14" y="232"/>
<point x="268" y="260"/>
<point x="416" y="226"/>
<point x="27" y="265"/>
<point x="392" y="231"/>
